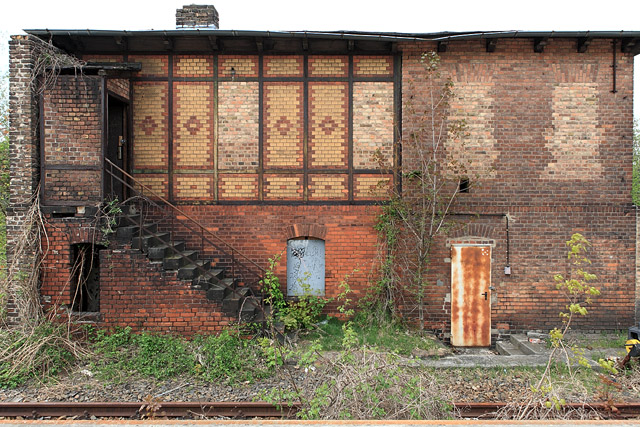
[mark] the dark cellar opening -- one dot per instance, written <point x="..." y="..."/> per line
<point x="85" y="284"/>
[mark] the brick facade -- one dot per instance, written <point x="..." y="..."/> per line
<point x="72" y="141"/>
<point x="551" y="146"/>
<point x="216" y="152"/>
<point x="254" y="146"/>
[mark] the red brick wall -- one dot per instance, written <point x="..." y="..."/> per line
<point x="136" y="293"/>
<point x="550" y="142"/>
<point x="139" y="294"/>
<point x="57" y="262"/>
<point x="551" y="145"/>
<point x="73" y="140"/>
<point x="260" y="232"/>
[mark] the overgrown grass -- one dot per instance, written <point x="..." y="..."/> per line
<point x="605" y="339"/>
<point x="386" y="336"/>
<point x="225" y="357"/>
<point x="41" y="351"/>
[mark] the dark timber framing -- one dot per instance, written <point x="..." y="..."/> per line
<point x="305" y="170"/>
<point x="170" y="120"/>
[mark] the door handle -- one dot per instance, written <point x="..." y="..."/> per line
<point x="121" y="142"/>
<point x="485" y="295"/>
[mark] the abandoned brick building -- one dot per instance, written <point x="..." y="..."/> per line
<point x="233" y="146"/>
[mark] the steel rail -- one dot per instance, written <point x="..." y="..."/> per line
<point x="155" y="409"/>
<point x="34" y="410"/>
<point x="614" y="411"/>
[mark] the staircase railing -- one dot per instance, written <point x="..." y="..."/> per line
<point x="167" y="217"/>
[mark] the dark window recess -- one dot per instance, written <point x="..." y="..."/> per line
<point x="463" y="187"/>
<point x="85" y="288"/>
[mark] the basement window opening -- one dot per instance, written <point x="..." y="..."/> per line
<point x="85" y="284"/>
<point x="463" y="186"/>
<point x="305" y="267"/>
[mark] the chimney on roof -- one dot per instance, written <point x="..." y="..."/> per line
<point x="197" y="16"/>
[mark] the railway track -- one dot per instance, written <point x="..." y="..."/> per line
<point x="147" y="409"/>
<point x="242" y="410"/>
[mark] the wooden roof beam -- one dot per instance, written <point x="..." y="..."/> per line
<point x="491" y="45"/>
<point x="583" y="44"/>
<point x="168" y="43"/>
<point x="630" y="45"/>
<point x="122" y="43"/>
<point x="213" y="43"/>
<point x="539" y="43"/>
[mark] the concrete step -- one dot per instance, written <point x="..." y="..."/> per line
<point x="522" y="343"/>
<point x="216" y="292"/>
<point x="148" y="240"/>
<point x="175" y="261"/>
<point x="212" y="278"/>
<point x="158" y="253"/>
<point x="506" y="348"/>
<point x="124" y="220"/>
<point x="193" y="270"/>
<point x="127" y="232"/>
<point x="250" y="308"/>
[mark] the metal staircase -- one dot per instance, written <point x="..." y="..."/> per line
<point x="149" y="223"/>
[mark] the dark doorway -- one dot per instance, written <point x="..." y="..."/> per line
<point x="85" y="287"/>
<point x="116" y="150"/>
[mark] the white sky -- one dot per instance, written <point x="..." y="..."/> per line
<point x="368" y="15"/>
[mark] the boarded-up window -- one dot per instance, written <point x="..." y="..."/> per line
<point x="305" y="267"/>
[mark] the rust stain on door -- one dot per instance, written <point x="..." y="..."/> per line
<point x="470" y="297"/>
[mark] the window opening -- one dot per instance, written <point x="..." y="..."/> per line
<point x="463" y="187"/>
<point x="85" y="289"/>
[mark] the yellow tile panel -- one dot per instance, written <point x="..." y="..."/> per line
<point x="328" y="125"/>
<point x="283" y="66"/>
<point x="283" y="126"/>
<point x="328" y="187"/>
<point x="372" y="66"/>
<point x="283" y="187"/>
<point x="152" y="65"/>
<point x="372" y="125"/>
<point x="328" y="66"/>
<point x="157" y="183"/>
<point x="242" y="65"/>
<point x="238" y="187"/>
<point x="371" y="186"/>
<point x="194" y="187"/>
<point x="193" y="66"/>
<point x="193" y="125"/>
<point x="150" y="125"/>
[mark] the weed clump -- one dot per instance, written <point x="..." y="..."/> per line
<point x="224" y="357"/>
<point x="39" y="350"/>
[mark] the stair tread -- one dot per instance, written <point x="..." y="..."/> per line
<point x="521" y="341"/>
<point x="508" y="349"/>
<point x="180" y="256"/>
<point x="165" y="246"/>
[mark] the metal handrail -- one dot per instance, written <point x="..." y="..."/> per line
<point x="203" y="231"/>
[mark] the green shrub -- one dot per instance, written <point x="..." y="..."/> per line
<point x="162" y="356"/>
<point x="150" y="355"/>
<point x="299" y="313"/>
<point x="226" y="356"/>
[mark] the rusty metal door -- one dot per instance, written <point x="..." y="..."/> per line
<point x="470" y="296"/>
